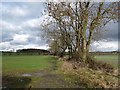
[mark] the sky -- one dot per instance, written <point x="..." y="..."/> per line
<point x="20" y="27"/>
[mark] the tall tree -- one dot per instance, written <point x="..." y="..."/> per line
<point x="75" y="23"/>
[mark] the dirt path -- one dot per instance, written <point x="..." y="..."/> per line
<point x="48" y="79"/>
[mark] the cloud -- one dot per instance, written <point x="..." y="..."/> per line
<point x="57" y="0"/>
<point x="105" y="46"/>
<point x="37" y="46"/>
<point x="32" y="23"/>
<point x="9" y="26"/>
<point x="27" y="24"/>
<point x="16" y="11"/>
<point x="20" y="38"/>
<point x="111" y="32"/>
<point x="20" y="26"/>
<point x="5" y="46"/>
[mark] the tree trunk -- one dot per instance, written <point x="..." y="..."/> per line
<point x="89" y="41"/>
<point x="84" y="41"/>
<point x="78" y="48"/>
<point x="84" y="54"/>
<point x="85" y="22"/>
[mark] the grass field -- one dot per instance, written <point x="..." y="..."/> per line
<point x="13" y="67"/>
<point x="21" y="64"/>
<point x="111" y="59"/>
<point x="42" y="70"/>
<point x="0" y="64"/>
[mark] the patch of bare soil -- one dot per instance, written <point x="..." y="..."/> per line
<point x="14" y="82"/>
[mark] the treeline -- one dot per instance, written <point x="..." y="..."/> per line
<point x="33" y="51"/>
<point x="105" y="53"/>
<point x="46" y="52"/>
<point x="27" y="52"/>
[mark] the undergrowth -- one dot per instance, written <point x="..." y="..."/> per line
<point x="91" y="74"/>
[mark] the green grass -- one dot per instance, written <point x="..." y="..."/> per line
<point x="13" y="66"/>
<point x="0" y="64"/>
<point x="21" y="64"/>
<point x="110" y="59"/>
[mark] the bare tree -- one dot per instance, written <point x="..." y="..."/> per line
<point x="75" y="23"/>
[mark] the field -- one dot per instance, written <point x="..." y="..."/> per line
<point x="110" y="59"/>
<point x="39" y="71"/>
<point x="27" y="71"/>
<point x="21" y="64"/>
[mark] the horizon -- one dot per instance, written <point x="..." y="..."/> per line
<point x="48" y="50"/>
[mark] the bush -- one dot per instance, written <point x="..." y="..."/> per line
<point x="89" y="78"/>
<point x="95" y="65"/>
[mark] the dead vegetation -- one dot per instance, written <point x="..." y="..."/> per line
<point x="91" y="74"/>
<point x="90" y="63"/>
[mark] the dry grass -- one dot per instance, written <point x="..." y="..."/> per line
<point x="67" y="66"/>
<point x="90" y="78"/>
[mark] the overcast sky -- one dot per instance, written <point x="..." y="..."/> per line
<point x="20" y="26"/>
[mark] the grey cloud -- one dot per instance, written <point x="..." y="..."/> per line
<point x="34" y="11"/>
<point x="6" y="37"/>
<point x="112" y="32"/>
